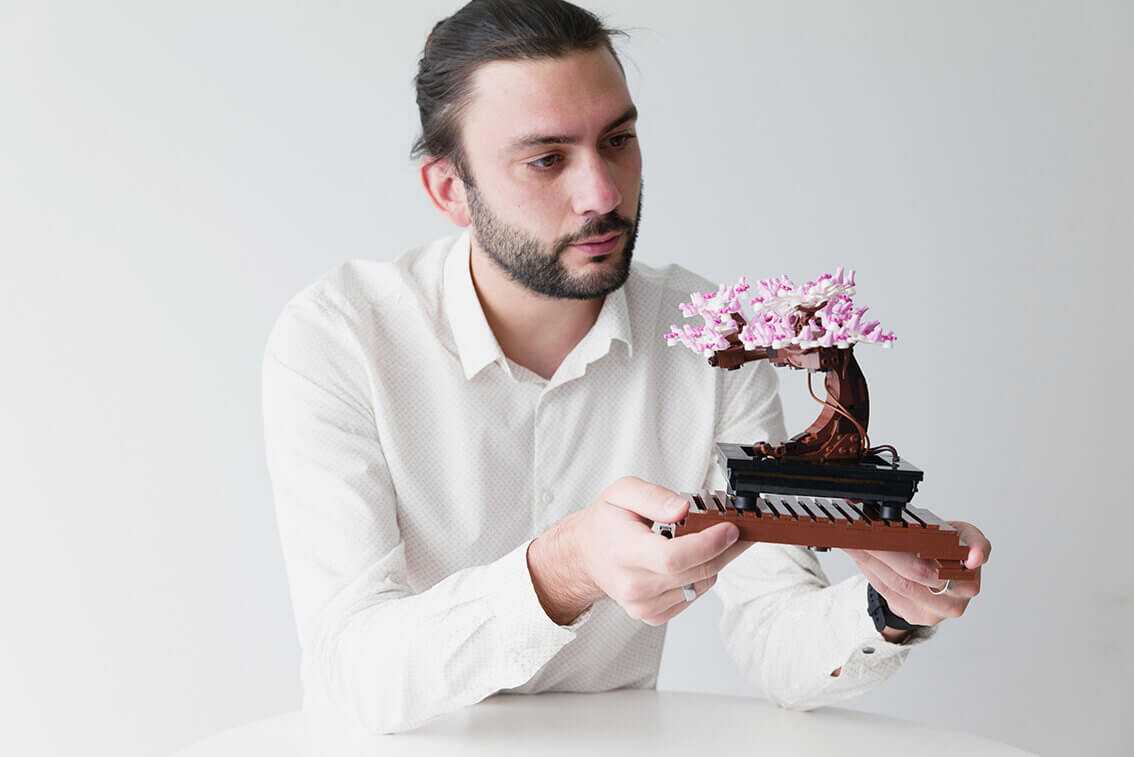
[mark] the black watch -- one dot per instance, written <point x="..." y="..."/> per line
<point x="879" y="611"/>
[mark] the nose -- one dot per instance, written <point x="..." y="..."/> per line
<point x="594" y="188"/>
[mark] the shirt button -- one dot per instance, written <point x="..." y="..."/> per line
<point x="868" y="650"/>
<point x="547" y="496"/>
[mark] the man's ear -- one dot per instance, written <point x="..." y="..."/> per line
<point x="445" y="189"/>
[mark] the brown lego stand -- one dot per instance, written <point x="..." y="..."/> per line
<point x="823" y="522"/>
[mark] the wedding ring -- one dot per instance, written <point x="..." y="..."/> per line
<point x="948" y="585"/>
<point x="689" y="592"/>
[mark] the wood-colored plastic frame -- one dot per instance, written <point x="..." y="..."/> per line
<point x="822" y="523"/>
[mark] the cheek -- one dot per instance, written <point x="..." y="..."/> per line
<point x="630" y="180"/>
<point x="540" y="209"/>
<point x="535" y="205"/>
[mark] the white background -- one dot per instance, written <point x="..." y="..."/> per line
<point x="171" y="173"/>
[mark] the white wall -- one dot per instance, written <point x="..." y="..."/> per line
<point x="170" y="173"/>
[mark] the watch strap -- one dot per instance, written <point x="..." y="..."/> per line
<point x="880" y="613"/>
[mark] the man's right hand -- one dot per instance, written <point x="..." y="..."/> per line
<point x="609" y="549"/>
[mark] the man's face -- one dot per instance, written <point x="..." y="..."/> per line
<point x="553" y="158"/>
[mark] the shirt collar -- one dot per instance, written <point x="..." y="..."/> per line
<point x="477" y="345"/>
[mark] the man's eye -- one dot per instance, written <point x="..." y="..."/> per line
<point x="547" y="161"/>
<point x="620" y="140"/>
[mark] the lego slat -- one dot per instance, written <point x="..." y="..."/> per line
<point x="910" y="514"/>
<point x="853" y="516"/>
<point x="801" y="513"/>
<point x="696" y="504"/>
<point x="935" y="523"/>
<point x="720" y="500"/>
<point x="777" y="504"/>
<point x="801" y="509"/>
<point x="818" y="511"/>
<point x="712" y="503"/>
<point x="855" y="510"/>
<point x="821" y="519"/>
<point x="931" y="521"/>
<point x="728" y="506"/>
<point x="764" y="509"/>
<point x="834" y="513"/>
<point x="785" y="505"/>
<point x="911" y="521"/>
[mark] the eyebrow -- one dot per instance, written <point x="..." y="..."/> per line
<point x="532" y="140"/>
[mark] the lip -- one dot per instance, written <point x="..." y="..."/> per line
<point x="602" y="247"/>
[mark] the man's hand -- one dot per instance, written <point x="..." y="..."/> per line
<point x="905" y="581"/>
<point x="609" y="549"/>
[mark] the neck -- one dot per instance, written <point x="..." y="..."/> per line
<point x="533" y="330"/>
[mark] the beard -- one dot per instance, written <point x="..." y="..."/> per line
<point x="527" y="261"/>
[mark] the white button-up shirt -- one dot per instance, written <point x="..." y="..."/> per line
<point x="412" y="464"/>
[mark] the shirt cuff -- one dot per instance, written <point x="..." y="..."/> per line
<point x="868" y="654"/>
<point x="531" y="636"/>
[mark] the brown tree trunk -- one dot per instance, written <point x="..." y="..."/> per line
<point x="833" y="436"/>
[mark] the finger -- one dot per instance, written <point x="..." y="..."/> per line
<point x="711" y="567"/>
<point x="900" y="605"/>
<point x="909" y="566"/>
<point x="909" y="599"/>
<point x="650" y="501"/>
<point x="979" y="546"/>
<point x="673" y="602"/>
<point x="687" y="551"/>
<point x="896" y="584"/>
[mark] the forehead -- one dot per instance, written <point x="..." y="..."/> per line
<point x="576" y="94"/>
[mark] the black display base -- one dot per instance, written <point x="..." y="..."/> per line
<point x="882" y="486"/>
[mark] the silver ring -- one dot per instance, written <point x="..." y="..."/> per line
<point x="689" y="592"/>
<point x="948" y="585"/>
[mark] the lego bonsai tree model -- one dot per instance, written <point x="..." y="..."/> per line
<point x="827" y="486"/>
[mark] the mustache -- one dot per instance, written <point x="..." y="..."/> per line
<point x="596" y="226"/>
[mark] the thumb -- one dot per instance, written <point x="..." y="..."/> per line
<point x="647" y="500"/>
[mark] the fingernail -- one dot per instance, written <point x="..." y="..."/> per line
<point x="733" y="534"/>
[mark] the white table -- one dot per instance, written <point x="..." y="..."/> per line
<point x="615" y="723"/>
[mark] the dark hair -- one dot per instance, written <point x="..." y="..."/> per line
<point x="490" y="30"/>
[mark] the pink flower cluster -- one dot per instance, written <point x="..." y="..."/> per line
<point x="826" y="306"/>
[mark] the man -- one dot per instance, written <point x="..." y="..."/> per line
<point x="468" y="445"/>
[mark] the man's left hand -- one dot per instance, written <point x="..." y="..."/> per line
<point x="906" y="580"/>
